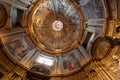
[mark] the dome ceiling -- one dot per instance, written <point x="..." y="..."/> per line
<point x="55" y="39"/>
<point x="55" y="26"/>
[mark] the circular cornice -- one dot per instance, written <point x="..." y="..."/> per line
<point x="54" y="30"/>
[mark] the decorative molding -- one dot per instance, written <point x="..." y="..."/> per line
<point x="3" y="15"/>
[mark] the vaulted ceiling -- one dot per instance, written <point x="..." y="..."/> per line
<point x="58" y="37"/>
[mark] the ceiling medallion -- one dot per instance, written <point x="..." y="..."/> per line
<point x="55" y="26"/>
